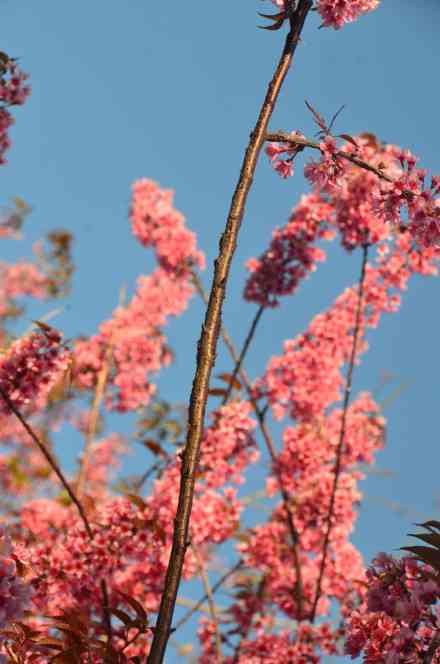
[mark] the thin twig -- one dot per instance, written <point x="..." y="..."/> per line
<point x="285" y="137"/>
<point x="245" y="634"/>
<point x="93" y="420"/>
<point x="260" y="413"/>
<point x="137" y="486"/>
<point x="337" y="471"/>
<point x="197" y="605"/>
<point x="211" y="605"/>
<point x="224" y="611"/>
<point x="70" y="492"/>
<point x="244" y="350"/>
<point x="206" y="349"/>
<point x="49" y="458"/>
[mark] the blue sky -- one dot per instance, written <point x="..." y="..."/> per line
<point x="171" y="91"/>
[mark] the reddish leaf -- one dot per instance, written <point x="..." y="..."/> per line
<point x="371" y="139"/>
<point x="429" y="538"/>
<point x="217" y="392"/>
<point x="349" y="138"/>
<point x="430" y="525"/>
<point x="275" y="26"/>
<point x="317" y="117"/>
<point x="137" y="500"/>
<point x="54" y="644"/>
<point x="154" y="447"/>
<point x="137" y="608"/>
<point x="70" y="656"/>
<point x="273" y="17"/>
<point x="425" y="554"/>
<point x="228" y="378"/>
<point x="122" y="616"/>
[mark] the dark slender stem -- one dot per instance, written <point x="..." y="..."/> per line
<point x="93" y="421"/>
<point x="337" y="471"/>
<point x="212" y="608"/>
<point x="259" y="594"/>
<point x="207" y="344"/>
<point x="244" y="350"/>
<point x="284" y="137"/>
<point x="49" y="458"/>
<point x="106" y="613"/>
<point x="152" y="469"/>
<point x="214" y="589"/>
<point x="261" y="414"/>
<point x="58" y="472"/>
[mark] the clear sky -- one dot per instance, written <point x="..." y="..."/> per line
<point x="170" y="91"/>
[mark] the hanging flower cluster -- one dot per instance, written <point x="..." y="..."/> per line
<point x="134" y="334"/>
<point x="14" y="91"/>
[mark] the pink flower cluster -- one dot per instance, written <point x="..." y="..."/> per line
<point x="306" y="469"/>
<point x="13" y="91"/>
<point x="400" y="618"/>
<point x="267" y="648"/>
<point x="326" y="173"/>
<point x="336" y="13"/>
<point x="138" y="346"/>
<point x="284" y="167"/>
<point x="307" y="378"/>
<point x="15" y="593"/>
<point x="345" y="199"/>
<point x="132" y="537"/>
<point x="228" y="446"/>
<point x="420" y="202"/>
<point x="20" y="280"/>
<point x="30" y="368"/>
<point x="157" y="224"/>
<point x="366" y="206"/>
<point x="291" y="255"/>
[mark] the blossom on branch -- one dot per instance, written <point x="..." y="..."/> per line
<point x="336" y="13"/>
<point x="13" y="92"/>
<point x="15" y="593"/>
<point x="30" y="368"/>
<point x="134" y="333"/>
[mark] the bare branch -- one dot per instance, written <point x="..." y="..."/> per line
<point x="337" y="471"/>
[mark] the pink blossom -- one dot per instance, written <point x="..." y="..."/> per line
<point x="15" y="593"/>
<point x="291" y="255"/>
<point x="31" y="367"/>
<point x="156" y="223"/>
<point x="138" y="346"/>
<point x="13" y="92"/>
<point x="336" y="13"/>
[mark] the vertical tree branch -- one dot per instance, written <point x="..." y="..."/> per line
<point x="208" y="341"/>
<point x="260" y="413"/>
<point x="346" y="402"/>
<point x="93" y="420"/>
<point x="209" y="595"/>
<point x="240" y="359"/>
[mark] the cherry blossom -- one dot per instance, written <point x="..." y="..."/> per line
<point x="31" y="367"/>
<point x="13" y="92"/>
<point x="336" y="13"/>
<point x="15" y="593"/>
